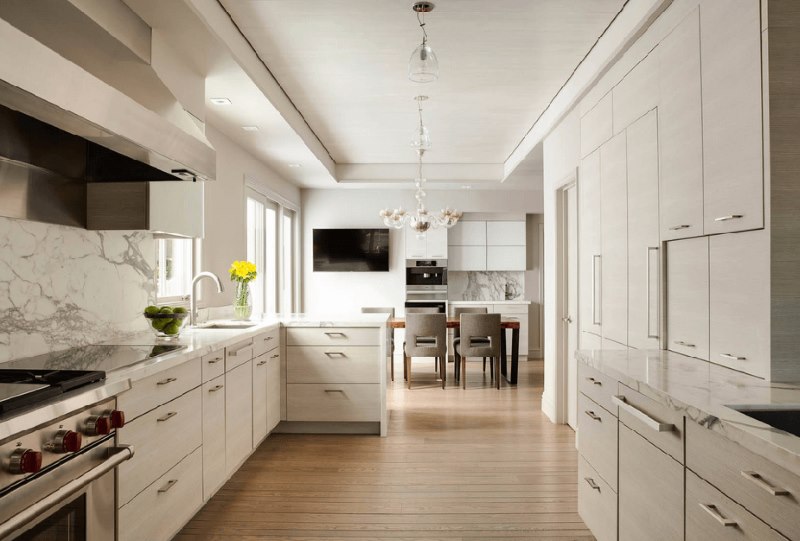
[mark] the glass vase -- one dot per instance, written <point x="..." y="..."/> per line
<point x="242" y="304"/>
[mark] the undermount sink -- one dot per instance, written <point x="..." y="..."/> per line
<point x="227" y="325"/>
<point x="786" y="418"/>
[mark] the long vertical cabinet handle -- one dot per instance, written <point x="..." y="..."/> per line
<point x="650" y="250"/>
<point x="597" y="312"/>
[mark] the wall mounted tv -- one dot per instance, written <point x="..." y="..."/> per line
<point x="351" y="250"/>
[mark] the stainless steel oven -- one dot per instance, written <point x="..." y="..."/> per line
<point x="426" y="272"/>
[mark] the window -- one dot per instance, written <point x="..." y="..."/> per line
<point x="174" y="266"/>
<point x="271" y="242"/>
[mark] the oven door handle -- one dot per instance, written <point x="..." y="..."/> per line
<point x="117" y="455"/>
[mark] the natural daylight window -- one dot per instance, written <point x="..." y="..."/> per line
<point x="174" y="259"/>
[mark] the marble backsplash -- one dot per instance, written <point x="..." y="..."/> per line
<point x="485" y="285"/>
<point x="63" y="286"/>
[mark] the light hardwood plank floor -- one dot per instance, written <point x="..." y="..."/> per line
<point x="474" y="464"/>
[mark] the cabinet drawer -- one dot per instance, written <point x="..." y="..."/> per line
<point x="651" y="496"/>
<point x="660" y="425"/>
<point x="332" y="336"/>
<point x="317" y="364"/>
<point x="161" y="439"/>
<point x="711" y="516"/>
<point x="333" y="402"/>
<point x="160" y="388"/>
<point x="162" y="509"/>
<point x="213" y="432"/>
<point x="597" y="439"/>
<point x="213" y="365"/>
<point x="506" y="309"/>
<point x="597" y="386"/>
<point x="238" y="354"/>
<point x="597" y="503"/>
<point x="765" y="489"/>
<point x="265" y="342"/>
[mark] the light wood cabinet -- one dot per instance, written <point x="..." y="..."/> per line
<point x="596" y="125"/>
<point x="431" y="245"/>
<point x="730" y="44"/>
<point x="589" y="244"/>
<point x="332" y="336"/>
<point x="644" y="261"/>
<point x="614" y="232"/>
<point x="466" y="258"/>
<point x="651" y="489"/>
<point x="511" y="233"/>
<point x="597" y="502"/>
<point x="214" y="473"/>
<point x="152" y="391"/>
<point x="488" y="245"/>
<point x="680" y="131"/>
<point x="468" y="233"/>
<point x="505" y="258"/>
<point x="333" y="402"/>
<point x="687" y="297"/>
<point x="323" y="364"/>
<point x="213" y="365"/>
<point x="597" y="441"/>
<point x="637" y="93"/>
<point x="660" y="425"/>
<point x="274" y="387"/>
<point x="260" y="399"/>
<point x="238" y="415"/>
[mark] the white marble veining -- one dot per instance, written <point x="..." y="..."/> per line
<point x="485" y="285"/>
<point x="702" y="391"/>
<point x="63" y="286"/>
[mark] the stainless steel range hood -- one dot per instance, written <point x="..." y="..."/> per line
<point x="38" y="82"/>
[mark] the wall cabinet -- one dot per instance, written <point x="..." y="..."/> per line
<point x="468" y="233"/>
<point x="614" y="233"/>
<point x="505" y="233"/>
<point x="505" y="258"/>
<point x="637" y="93"/>
<point x="687" y="297"/>
<point x="488" y="246"/>
<point x="680" y="131"/>
<point x="596" y="125"/>
<point x="644" y="262"/>
<point x="466" y="258"/>
<point x="431" y="245"/>
<point x="589" y="245"/>
<point x="730" y="45"/>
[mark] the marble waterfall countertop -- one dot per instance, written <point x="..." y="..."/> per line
<point x="469" y="303"/>
<point x="702" y="391"/>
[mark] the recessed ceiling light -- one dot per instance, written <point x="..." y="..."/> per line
<point x="250" y="128"/>
<point x="295" y="165"/>
<point x="220" y="101"/>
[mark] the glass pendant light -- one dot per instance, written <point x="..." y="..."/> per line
<point x="423" y="66"/>
<point x="421" y="139"/>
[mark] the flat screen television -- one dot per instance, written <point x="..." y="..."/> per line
<point x="351" y="250"/>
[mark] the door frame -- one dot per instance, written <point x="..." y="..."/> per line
<point x="562" y="292"/>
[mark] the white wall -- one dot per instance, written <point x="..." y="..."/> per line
<point x="225" y="216"/>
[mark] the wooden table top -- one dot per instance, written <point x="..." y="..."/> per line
<point x="452" y="323"/>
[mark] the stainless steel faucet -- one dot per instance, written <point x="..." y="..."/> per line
<point x="193" y="298"/>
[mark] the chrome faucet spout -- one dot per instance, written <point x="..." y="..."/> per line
<point x="193" y="298"/>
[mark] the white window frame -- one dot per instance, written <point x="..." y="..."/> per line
<point x="195" y="264"/>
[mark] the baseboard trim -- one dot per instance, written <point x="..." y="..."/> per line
<point x="315" y="427"/>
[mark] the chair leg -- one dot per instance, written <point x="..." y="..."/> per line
<point x="443" y="366"/>
<point x="391" y="362"/>
<point x="497" y="373"/>
<point x="484" y="364"/>
<point x="463" y="372"/>
<point x="408" y="371"/>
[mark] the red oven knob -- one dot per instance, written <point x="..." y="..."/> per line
<point x="25" y="461"/>
<point x="65" y="441"/>
<point x="117" y="418"/>
<point x="97" y="425"/>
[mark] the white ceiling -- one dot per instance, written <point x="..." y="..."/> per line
<point x="343" y="65"/>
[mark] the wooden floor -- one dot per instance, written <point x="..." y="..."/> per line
<point x="474" y="464"/>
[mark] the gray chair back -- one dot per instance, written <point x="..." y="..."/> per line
<point x="426" y="335"/>
<point x="458" y="310"/>
<point x="422" y="310"/>
<point x="475" y="330"/>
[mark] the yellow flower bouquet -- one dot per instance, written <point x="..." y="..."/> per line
<point x="242" y="273"/>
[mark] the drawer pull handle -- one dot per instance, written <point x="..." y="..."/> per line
<point x="732" y="357"/>
<point x="165" y="381"/>
<point x="335" y="354"/>
<point x="592" y="483"/>
<point x="171" y="483"/>
<point x="268" y="338"/>
<point x="658" y="426"/>
<point x="593" y="416"/>
<point x="275" y="356"/>
<point x="215" y="388"/>
<point x="712" y="510"/>
<point x="336" y="334"/>
<point x="334" y="391"/>
<point x="595" y="382"/>
<point x="684" y="344"/>
<point x="215" y="360"/>
<point x="679" y="227"/>
<point x="261" y="363"/>
<point x="728" y="217"/>
<point x="761" y="483"/>
<point x="238" y="351"/>
<point x="167" y="417"/>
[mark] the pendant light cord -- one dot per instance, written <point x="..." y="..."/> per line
<point x="421" y="21"/>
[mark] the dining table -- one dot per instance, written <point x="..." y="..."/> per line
<point x="506" y="324"/>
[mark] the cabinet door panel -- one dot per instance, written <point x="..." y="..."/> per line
<point x="680" y="129"/>
<point x="259" y="399"/>
<point x="597" y="502"/>
<point x="213" y="432"/>
<point x="733" y="179"/>
<point x="740" y="302"/>
<point x="238" y="415"/>
<point x="589" y="244"/>
<point x="415" y="245"/>
<point x="596" y="125"/>
<point x="436" y="243"/>
<point x="637" y="93"/>
<point x="614" y="231"/>
<point x="687" y="297"/>
<point x="467" y="234"/>
<point x="598" y="438"/>
<point x="505" y="258"/>
<point x="467" y="258"/>
<point x="650" y="491"/>
<point x="274" y="387"/>
<point x="505" y="233"/>
<point x="643" y="241"/>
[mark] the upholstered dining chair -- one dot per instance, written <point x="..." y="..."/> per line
<point x="457" y="311"/>
<point x="426" y="336"/>
<point x="480" y="337"/>
<point x="389" y="333"/>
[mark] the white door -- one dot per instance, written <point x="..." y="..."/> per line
<point x="570" y="319"/>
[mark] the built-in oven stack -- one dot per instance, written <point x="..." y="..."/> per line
<point x="426" y="284"/>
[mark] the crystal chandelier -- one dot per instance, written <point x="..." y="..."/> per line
<point x="423" y="66"/>
<point x="421" y="220"/>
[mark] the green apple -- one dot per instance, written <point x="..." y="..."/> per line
<point x="165" y="310"/>
<point x="151" y="310"/>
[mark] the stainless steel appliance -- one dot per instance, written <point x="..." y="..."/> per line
<point x="58" y="451"/>
<point x="426" y="283"/>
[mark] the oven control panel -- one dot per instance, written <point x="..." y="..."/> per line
<point x="32" y="452"/>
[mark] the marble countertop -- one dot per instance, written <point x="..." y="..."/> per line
<point x="515" y="301"/>
<point x="702" y="391"/>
